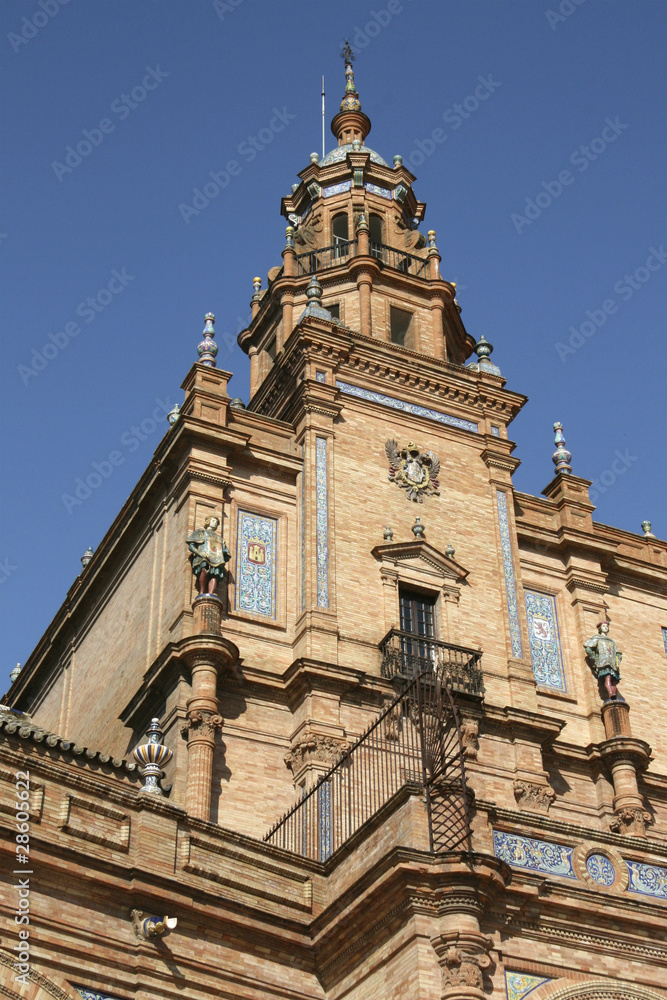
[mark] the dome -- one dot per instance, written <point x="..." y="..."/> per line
<point x="340" y="152"/>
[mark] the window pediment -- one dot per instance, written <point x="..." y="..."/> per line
<point x="420" y="555"/>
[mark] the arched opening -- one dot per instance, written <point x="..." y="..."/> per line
<point x="375" y="234"/>
<point x="341" y="234"/>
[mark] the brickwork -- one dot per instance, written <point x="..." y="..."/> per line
<point x="260" y="693"/>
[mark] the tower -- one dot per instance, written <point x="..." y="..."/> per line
<point x="392" y="772"/>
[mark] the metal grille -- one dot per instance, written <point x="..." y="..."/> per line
<point x="418" y="267"/>
<point x="415" y="741"/>
<point x="324" y="257"/>
<point x="407" y="655"/>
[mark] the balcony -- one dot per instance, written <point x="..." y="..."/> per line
<point x="407" y="655"/>
<point x="323" y="258"/>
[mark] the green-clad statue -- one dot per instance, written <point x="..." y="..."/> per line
<point x="209" y="555"/>
<point x="606" y="658"/>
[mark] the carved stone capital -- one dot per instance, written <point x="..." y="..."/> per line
<point x="462" y="957"/>
<point x="533" y="797"/>
<point x="631" y="822"/>
<point x="315" y="747"/>
<point x="201" y="724"/>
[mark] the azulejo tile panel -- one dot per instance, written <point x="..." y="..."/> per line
<point x="545" y="651"/>
<point x="537" y="855"/>
<point x="664" y="639"/>
<point x="518" y="984"/>
<point x="600" y="869"/>
<point x="495" y="431"/>
<point x="375" y="189"/>
<point x="508" y="569"/>
<point x="322" y="519"/>
<point x="256" y="555"/>
<point x="401" y="404"/>
<point x="649" y="880"/>
<point x="93" y="994"/>
<point x="327" y="192"/>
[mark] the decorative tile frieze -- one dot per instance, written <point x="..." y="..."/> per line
<point x="322" y="519"/>
<point x="508" y="569"/>
<point x="327" y="192"/>
<point x="93" y="994"/>
<point x="256" y="554"/>
<point x="536" y="855"/>
<point x="401" y="404"/>
<point x="545" y="650"/>
<point x="648" y="880"/>
<point x="375" y="189"/>
<point x="518" y="984"/>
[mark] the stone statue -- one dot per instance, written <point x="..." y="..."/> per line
<point x="606" y="658"/>
<point x="209" y="555"/>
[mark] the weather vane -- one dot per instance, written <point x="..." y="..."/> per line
<point x="346" y="52"/>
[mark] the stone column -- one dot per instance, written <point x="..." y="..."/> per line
<point x="625" y="756"/>
<point x="254" y="370"/>
<point x="364" y="285"/>
<point x="207" y="654"/>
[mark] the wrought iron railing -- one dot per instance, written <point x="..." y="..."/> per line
<point x="405" y="654"/>
<point x="418" y="267"/>
<point x="415" y="741"/>
<point x="324" y="257"/>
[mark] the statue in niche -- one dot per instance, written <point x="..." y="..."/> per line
<point x="606" y="657"/>
<point x="209" y="555"/>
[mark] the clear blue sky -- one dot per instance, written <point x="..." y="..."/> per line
<point x="184" y="86"/>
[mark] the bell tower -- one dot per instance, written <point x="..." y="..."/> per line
<point x="354" y="222"/>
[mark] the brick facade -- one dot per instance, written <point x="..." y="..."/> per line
<point x="564" y="876"/>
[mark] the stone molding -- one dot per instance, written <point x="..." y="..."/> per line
<point x="533" y="797"/>
<point x="594" y="989"/>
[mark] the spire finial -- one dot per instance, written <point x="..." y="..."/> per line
<point x="350" y="100"/>
<point x="646" y="528"/>
<point x="483" y="351"/>
<point x="561" y="457"/>
<point x="208" y="348"/>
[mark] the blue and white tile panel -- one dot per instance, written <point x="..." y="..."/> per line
<point x="664" y="639"/>
<point x="374" y="189"/>
<point x="545" y="651"/>
<point x="327" y="192"/>
<point x="536" y="855"/>
<point x="508" y="569"/>
<point x="518" y="984"/>
<point x="322" y="522"/>
<point x="256" y="558"/>
<point x="401" y="404"/>
<point x="93" y="994"/>
<point x="649" y="880"/>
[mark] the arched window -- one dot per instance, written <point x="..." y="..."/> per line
<point x="340" y="231"/>
<point x="375" y="234"/>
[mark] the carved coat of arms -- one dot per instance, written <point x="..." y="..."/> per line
<point x="414" y="471"/>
